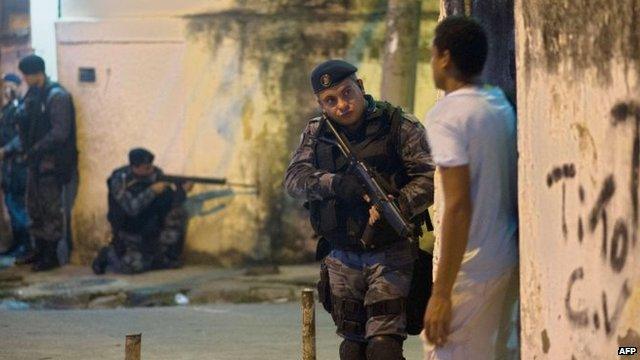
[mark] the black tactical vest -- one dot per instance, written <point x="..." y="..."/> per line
<point x="376" y="144"/>
<point x="38" y="124"/>
<point x="149" y="221"/>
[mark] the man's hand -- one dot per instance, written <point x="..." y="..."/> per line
<point x="347" y="188"/>
<point x="187" y="186"/>
<point x="437" y="319"/>
<point x="160" y="186"/>
<point x="374" y="214"/>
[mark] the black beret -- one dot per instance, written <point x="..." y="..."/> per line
<point x="31" y="64"/>
<point x="140" y="156"/>
<point x="329" y="73"/>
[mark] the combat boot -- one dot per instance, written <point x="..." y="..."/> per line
<point x="28" y="258"/>
<point x="32" y="255"/>
<point x="48" y="258"/>
<point x="25" y="254"/>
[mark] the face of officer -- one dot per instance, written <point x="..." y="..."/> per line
<point x="34" y="80"/>
<point x="142" y="170"/>
<point x="344" y="103"/>
<point x="9" y="92"/>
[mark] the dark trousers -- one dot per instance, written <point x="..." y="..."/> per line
<point x="17" y="208"/>
<point x="45" y="205"/>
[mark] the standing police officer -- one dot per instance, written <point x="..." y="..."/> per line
<point x="14" y="169"/>
<point x="48" y="137"/>
<point x="369" y="283"/>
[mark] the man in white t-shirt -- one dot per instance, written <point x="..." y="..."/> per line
<point x="472" y="133"/>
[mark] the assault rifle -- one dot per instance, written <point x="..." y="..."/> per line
<point x="377" y="195"/>
<point x="176" y="179"/>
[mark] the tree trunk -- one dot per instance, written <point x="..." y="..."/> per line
<point x="497" y="18"/>
<point x="401" y="53"/>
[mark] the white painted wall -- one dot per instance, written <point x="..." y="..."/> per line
<point x="153" y="89"/>
<point x="579" y="249"/>
<point x="44" y="14"/>
<point x="140" y="8"/>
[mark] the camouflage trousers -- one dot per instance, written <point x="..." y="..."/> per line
<point x="45" y="206"/>
<point x="131" y="253"/>
<point x="369" y="290"/>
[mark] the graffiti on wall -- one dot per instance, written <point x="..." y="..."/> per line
<point x="617" y="235"/>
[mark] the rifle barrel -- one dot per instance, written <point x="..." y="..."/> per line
<point x="194" y="179"/>
<point x="202" y="180"/>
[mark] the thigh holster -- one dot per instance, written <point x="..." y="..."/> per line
<point x="324" y="288"/>
<point x="349" y="315"/>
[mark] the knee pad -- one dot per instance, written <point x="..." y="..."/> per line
<point x="352" y="350"/>
<point x="384" y="347"/>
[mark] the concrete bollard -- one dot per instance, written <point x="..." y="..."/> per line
<point x="308" y="325"/>
<point x="132" y="347"/>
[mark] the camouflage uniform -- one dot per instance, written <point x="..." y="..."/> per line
<point x="148" y="229"/>
<point x="368" y="286"/>
<point x="48" y="137"/>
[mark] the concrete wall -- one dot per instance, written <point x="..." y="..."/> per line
<point x="15" y="34"/>
<point x="579" y="117"/>
<point x="219" y="91"/>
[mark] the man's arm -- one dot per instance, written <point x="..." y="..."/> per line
<point x="302" y="179"/>
<point x="60" y="115"/>
<point x="417" y="195"/>
<point x="455" y="234"/>
<point x="11" y="147"/>
<point x="132" y="205"/>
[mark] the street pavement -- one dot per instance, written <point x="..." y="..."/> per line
<point x="263" y="331"/>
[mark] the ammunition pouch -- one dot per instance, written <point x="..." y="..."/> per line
<point x="349" y="315"/>
<point x="419" y="292"/>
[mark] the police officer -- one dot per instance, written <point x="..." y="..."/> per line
<point x="48" y="138"/>
<point x="147" y="219"/>
<point x="14" y="170"/>
<point x="368" y="284"/>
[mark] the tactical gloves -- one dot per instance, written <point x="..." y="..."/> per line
<point x="347" y="188"/>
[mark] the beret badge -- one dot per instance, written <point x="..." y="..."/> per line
<point x="325" y="80"/>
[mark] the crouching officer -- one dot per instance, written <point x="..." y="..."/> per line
<point x="369" y="284"/>
<point x="147" y="217"/>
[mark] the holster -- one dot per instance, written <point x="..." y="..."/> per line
<point x="324" y="289"/>
<point x="420" y="291"/>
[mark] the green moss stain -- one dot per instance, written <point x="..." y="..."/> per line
<point x="586" y="33"/>
<point x="284" y="49"/>
<point x="284" y="40"/>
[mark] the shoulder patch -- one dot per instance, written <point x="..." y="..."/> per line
<point x="312" y="126"/>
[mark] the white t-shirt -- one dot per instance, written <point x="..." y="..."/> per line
<point x="476" y="126"/>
